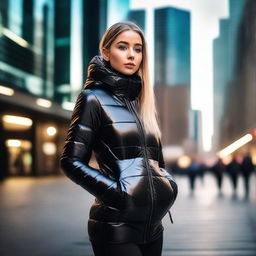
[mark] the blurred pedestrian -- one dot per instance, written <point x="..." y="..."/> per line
<point x="247" y="168"/>
<point x="218" y="170"/>
<point x="233" y="170"/>
<point x="193" y="171"/>
<point x="115" y="116"/>
<point x="19" y="163"/>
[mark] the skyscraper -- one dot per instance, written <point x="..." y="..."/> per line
<point x="172" y="47"/>
<point x="241" y="108"/>
<point x="27" y="106"/>
<point x="172" y="73"/>
<point x="94" y="25"/>
<point x="138" y="17"/>
<point x="225" y="52"/>
<point x="62" y="49"/>
<point x="42" y="46"/>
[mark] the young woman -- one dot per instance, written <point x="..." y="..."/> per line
<point x="115" y="116"/>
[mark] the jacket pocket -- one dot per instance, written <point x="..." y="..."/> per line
<point x="113" y="197"/>
<point x="174" y="185"/>
<point x="175" y="189"/>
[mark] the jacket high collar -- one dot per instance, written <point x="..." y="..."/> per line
<point x="107" y="78"/>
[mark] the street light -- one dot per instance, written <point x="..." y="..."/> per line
<point x="51" y="131"/>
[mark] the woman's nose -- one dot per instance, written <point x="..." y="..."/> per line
<point x="131" y="54"/>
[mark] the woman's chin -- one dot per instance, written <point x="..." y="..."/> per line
<point x="127" y="72"/>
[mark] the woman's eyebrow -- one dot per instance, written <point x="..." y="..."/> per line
<point x="124" y="42"/>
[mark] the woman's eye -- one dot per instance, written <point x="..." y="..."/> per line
<point x="138" y="50"/>
<point x="121" y="47"/>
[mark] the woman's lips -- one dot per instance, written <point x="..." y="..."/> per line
<point x="129" y="65"/>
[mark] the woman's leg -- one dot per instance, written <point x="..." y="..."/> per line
<point x="152" y="249"/>
<point x="101" y="249"/>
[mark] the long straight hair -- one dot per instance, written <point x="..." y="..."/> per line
<point x="148" y="111"/>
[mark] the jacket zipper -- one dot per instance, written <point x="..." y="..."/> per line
<point x="140" y="126"/>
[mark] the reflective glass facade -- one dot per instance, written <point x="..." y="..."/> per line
<point x="45" y="47"/>
<point x="225" y="55"/>
<point x="138" y="17"/>
<point x="172" y="46"/>
<point x="26" y="46"/>
<point x="62" y="49"/>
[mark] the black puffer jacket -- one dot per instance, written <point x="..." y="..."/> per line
<point x="132" y="189"/>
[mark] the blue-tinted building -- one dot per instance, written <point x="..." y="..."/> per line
<point x="172" y="47"/>
<point x="225" y="54"/>
<point x="172" y="72"/>
<point x="28" y="106"/>
<point x="241" y="104"/>
<point x="138" y="17"/>
<point x="94" y="26"/>
<point x="62" y="40"/>
<point x="27" y="46"/>
<point x="45" y="46"/>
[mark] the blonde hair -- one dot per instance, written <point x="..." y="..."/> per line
<point x="148" y="111"/>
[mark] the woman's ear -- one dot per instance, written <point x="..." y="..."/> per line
<point x="105" y="54"/>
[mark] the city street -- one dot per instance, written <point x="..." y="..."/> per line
<point x="131" y="84"/>
<point x="48" y="217"/>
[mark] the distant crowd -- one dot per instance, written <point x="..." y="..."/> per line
<point x="239" y="166"/>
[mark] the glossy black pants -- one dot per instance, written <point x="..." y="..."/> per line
<point x="151" y="249"/>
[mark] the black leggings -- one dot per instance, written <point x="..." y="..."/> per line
<point x="151" y="249"/>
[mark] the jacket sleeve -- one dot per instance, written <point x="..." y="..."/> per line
<point x="85" y="124"/>
<point x="167" y="174"/>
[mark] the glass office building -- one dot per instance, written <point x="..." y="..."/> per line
<point x="30" y="117"/>
<point x="226" y="85"/>
<point x="45" y="46"/>
<point x="241" y="106"/>
<point x="172" y="73"/>
<point x="172" y="47"/>
<point x="138" y="17"/>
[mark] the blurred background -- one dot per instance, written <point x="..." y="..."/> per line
<point x="202" y="61"/>
<point x="203" y="58"/>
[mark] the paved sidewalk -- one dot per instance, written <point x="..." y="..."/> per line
<point x="48" y="216"/>
<point x="207" y="224"/>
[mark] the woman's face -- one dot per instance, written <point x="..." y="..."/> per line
<point x="125" y="53"/>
